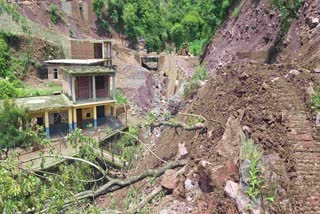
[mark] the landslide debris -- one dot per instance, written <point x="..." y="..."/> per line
<point x="260" y="97"/>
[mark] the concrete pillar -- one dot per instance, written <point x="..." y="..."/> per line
<point x="114" y="86"/>
<point x="73" y="89"/>
<point x="75" y="125"/>
<point x="46" y="121"/>
<point x="94" y="94"/>
<point x="95" y="122"/>
<point x="70" y="119"/>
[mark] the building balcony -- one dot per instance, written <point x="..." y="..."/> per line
<point x="86" y="101"/>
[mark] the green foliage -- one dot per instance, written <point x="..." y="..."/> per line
<point x="98" y="6"/>
<point x="315" y="101"/>
<point x="55" y="13"/>
<point x="12" y="10"/>
<point x="251" y="152"/>
<point x="236" y="12"/>
<point x="177" y="34"/>
<point x="4" y="58"/>
<point x="200" y="74"/>
<point x="23" y="190"/>
<point x="193" y="25"/>
<point x="127" y="144"/>
<point x="15" y="129"/>
<point x="163" y="21"/>
<point x="27" y="90"/>
<point x="7" y="89"/>
<point x="191" y="87"/>
<point x="196" y="46"/>
<point x="120" y="99"/>
<point x="288" y="11"/>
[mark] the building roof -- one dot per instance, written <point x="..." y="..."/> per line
<point x="43" y="102"/>
<point x="88" y="70"/>
<point x="92" y="40"/>
<point x="76" y="61"/>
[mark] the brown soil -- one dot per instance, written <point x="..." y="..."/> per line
<point x="248" y="37"/>
<point x="269" y="100"/>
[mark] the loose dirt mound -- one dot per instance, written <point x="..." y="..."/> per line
<point x="250" y="36"/>
<point x="269" y="95"/>
<point x="302" y="42"/>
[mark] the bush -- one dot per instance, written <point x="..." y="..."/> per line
<point x="7" y="90"/>
<point x="250" y="152"/>
<point x="191" y="87"/>
<point x="196" y="46"/>
<point x="55" y="13"/>
<point x="315" y="101"/>
<point x="4" y="58"/>
<point x="14" y="127"/>
<point x="236" y="12"/>
<point x="200" y="73"/>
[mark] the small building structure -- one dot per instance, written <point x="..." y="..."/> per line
<point x="88" y="82"/>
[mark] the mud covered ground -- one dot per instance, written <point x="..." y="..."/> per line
<point x="261" y="93"/>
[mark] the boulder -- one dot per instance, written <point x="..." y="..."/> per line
<point x="220" y="174"/>
<point x="182" y="151"/>
<point x="234" y="191"/>
<point x="170" y="180"/>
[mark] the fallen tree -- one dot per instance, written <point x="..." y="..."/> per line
<point x="116" y="184"/>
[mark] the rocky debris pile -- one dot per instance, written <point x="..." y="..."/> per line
<point x="249" y="37"/>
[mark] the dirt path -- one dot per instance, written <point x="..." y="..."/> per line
<point x="306" y="155"/>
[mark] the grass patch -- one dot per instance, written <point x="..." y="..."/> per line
<point x="200" y="74"/>
<point x="196" y="46"/>
<point x="252" y="153"/>
<point x="55" y="13"/>
<point x="315" y="101"/>
<point x="27" y="90"/>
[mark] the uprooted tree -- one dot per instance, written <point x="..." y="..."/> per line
<point x="76" y="182"/>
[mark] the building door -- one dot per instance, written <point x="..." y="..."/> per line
<point x="98" y="51"/>
<point x="40" y="121"/>
<point x="76" y="88"/>
<point x="79" y="118"/>
<point x="100" y="111"/>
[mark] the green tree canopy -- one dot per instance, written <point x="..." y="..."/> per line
<point x="177" y="34"/>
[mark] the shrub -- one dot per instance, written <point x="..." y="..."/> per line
<point x="55" y="13"/>
<point x="196" y="46"/>
<point x="315" y="101"/>
<point x="7" y="90"/>
<point x="191" y="87"/>
<point x="120" y="99"/>
<point x="4" y="58"/>
<point x="251" y="153"/>
<point x="200" y="73"/>
<point x="236" y="12"/>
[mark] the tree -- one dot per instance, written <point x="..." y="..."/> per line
<point x="193" y="25"/>
<point x="15" y="129"/>
<point x="7" y="90"/>
<point x="177" y="34"/>
<point x="4" y="58"/>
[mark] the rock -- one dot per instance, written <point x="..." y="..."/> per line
<point x="188" y="185"/>
<point x="318" y="120"/>
<point x="220" y="174"/>
<point x="244" y="175"/>
<point x="317" y="70"/>
<point x="231" y="141"/>
<point x="182" y="151"/>
<point x="170" y="180"/>
<point x="312" y="22"/>
<point x="233" y="190"/>
<point x="204" y="163"/>
<point x="292" y="73"/>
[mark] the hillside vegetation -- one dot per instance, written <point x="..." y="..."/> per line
<point x="159" y="22"/>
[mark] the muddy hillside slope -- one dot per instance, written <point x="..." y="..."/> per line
<point x="301" y="45"/>
<point x="250" y="36"/>
<point x="270" y="100"/>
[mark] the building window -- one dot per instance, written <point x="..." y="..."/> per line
<point x="55" y="73"/>
<point x="88" y="115"/>
<point x="99" y="82"/>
